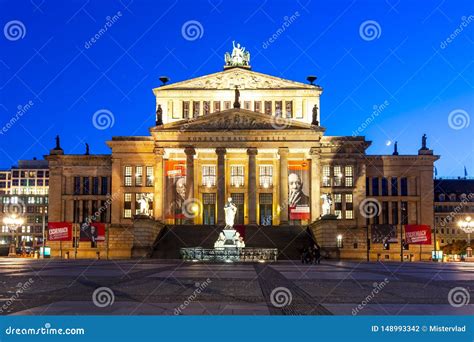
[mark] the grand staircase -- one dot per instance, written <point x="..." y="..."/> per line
<point x="289" y="240"/>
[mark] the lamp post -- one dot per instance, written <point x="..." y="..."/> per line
<point x="467" y="226"/>
<point x="13" y="222"/>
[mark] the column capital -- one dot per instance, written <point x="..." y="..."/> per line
<point x="221" y="151"/>
<point x="283" y="150"/>
<point x="252" y="151"/>
<point x="314" y="151"/>
<point x="159" y="150"/>
<point x="189" y="151"/>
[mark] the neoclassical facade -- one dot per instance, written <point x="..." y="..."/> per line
<point x="256" y="139"/>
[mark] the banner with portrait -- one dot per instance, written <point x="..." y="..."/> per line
<point x="175" y="175"/>
<point x="383" y="233"/>
<point x="93" y="231"/>
<point x="299" y="190"/>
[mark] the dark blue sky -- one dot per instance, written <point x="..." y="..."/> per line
<point x="407" y="64"/>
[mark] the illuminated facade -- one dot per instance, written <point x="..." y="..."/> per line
<point x="257" y="139"/>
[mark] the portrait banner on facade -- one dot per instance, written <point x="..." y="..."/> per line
<point x="93" y="231"/>
<point x="175" y="172"/>
<point x="418" y="234"/>
<point x="298" y="190"/>
<point x="383" y="233"/>
<point x="59" y="231"/>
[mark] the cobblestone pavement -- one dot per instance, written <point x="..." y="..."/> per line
<point x="174" y="287"/>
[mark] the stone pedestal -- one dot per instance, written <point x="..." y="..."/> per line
<point x="145" y="232"/>
<point x="325" y="232"/>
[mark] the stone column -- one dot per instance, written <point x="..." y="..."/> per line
<point x="315" y="184"/>
<point x="159" y="188"/>
<point x="190" y="152"/>
<point x="252" y="185"/>
<point x="283" y="152"/>
<point x="220" y="151"/>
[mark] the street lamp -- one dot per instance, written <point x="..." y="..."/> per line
<point x="13" y="222"/>
<point x="467" y="226"/>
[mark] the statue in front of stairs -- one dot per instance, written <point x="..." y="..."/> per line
<point x="230" y="210"/>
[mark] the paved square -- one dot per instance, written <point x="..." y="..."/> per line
<point x="174" y="287"/>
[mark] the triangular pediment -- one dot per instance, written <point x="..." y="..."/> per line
<point x="234" y="120"/>
<point x="241" y="77"/>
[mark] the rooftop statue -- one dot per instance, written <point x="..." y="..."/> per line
<point x="239" y="56"/>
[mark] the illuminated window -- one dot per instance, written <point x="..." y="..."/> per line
<point x="278" y="108"/>
<point x="268" y="107"/>
<point x="127" y="205"/>
<point x="258" y="106"/>
<point x="138" y="175"/>
<point x="266" y="176"/>
<point x="227" y="105"/>
<point x="289" y="109"/>
<point x="338" y="205"/>
<point x="196" y="108"/>
<point x="349" y="175"/>
<point x="236" y="175"/>
<point x="209" y="175"/>
<point x="128" y="176"/>
<point x="248" y="105"/>
<point x="337" y="176"/>
<point x="326" y="175"/>
<point x="185" y="109"/>
<point x="149" y="176"/>
<point x="217" y="106"/>
<point x="339" y="241"/>
<point x="206" y="107"/>
<point x="349" y="213"/>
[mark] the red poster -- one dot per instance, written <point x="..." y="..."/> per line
<point x="59" y="231"/>
<point x="418" y="234"/>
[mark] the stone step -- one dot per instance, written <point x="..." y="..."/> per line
<point x="289" y="240"/>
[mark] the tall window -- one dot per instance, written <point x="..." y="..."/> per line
<point x="217" y="106"/>
<point x="349" y="175"/>
<point x="185" y="109"/>
<point x="76" y="212"/>
<point x="337" y="176"/>
<point x="349" y="207"/>
<point x="289" y="109"/>
<point x="227" y="105"/>
<point x="138" y="175"/>
<point x="95" y="185"/>
<point x="375" y="186"/>
<point x="209" y="175"/>
<point x="326" y="175"/>
<point x="85" y="186"/>
<point x="257" y="106"/>
<point x="149" y="176"/>
<point x="236" y="175"/>
<point x="206" y="107"/>
<point x="268" y="107"/>
<point x="248" y="105"/>
<point x="367" y="186"/>
<point x="85" y="210"/>
<point x="77" y="185"/>
<point x="127" y="205"/>
<point x="128" y="176"/>
<point x="338" y="205"/>
<point x="404" y="186"/>
<point x="394" y="212"/>
<point x="104" y="186"/>
<point x="394" y="186"/>
<point x="385" y="212"/>
<point x="404" y="212"/>
<point x="384" y="187"/>
<point x="266" y="176"/>
<point x="196" y="108"/>
<point x="278" y="108"/>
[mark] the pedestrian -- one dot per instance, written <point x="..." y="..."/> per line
<point x="317" y="254"/>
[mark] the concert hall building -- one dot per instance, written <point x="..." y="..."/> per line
<point x="259" y="140"/>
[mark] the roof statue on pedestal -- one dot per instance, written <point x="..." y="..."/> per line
<point x="238" y="58"/>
